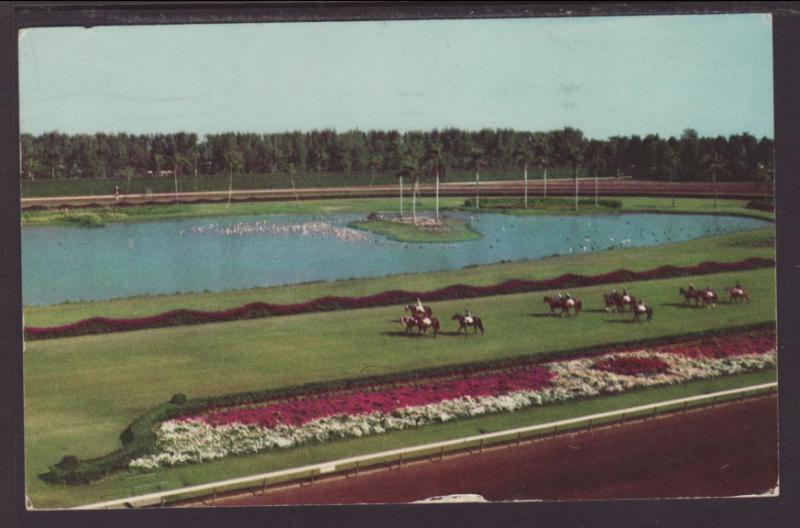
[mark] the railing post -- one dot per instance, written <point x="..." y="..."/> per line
<point x="213" y="495"/>
<point x="441" y="453"/>
<point x="685" y="406"/>
<point x="519" y="438"/>
<point x="264" y="486"/>
<point x="357" y="463"/>
<point x="481" y="448"/>
<point x="714" y="402"/>
<point x="655" y="410"/>
<point x="401" y="460"/>
<point x="622" y="422"/>
<point x="555" y="431"/>
<point x="590" y="423"/>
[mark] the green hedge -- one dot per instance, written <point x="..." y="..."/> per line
<point x="139" y="438"/>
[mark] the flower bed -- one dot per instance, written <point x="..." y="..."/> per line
<point x="329" y="415"/>
<point x="102" y="325"/>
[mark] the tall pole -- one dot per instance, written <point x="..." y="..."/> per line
<point x="437" y="196"/>
<point x="545" y="181"/>
<point x="477" y="189"/>
<point x="575" y="175"/>
<point x="526" y="185"/>
<point x="401" y="197"/>
<point x="595" y="187"/>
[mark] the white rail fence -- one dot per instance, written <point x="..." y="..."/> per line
<point x="438" y="449"/>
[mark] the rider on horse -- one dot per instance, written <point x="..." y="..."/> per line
<point x="468" y="317"/>
<point x="568" y="300"/>
<point x="419" y="307"/>
<point x="626" y="298"/>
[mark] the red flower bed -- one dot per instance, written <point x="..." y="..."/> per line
<point x="725" y="345"/>
<point x="101" y="325"/>
<point x="632" y="366"/>
<point x="305" y="409"/>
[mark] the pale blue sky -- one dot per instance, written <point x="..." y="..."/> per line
<point x="606" y="76"/>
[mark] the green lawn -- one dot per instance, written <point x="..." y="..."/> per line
<point x="452" y="230"/>
<point x="80" y="393"/>
<point x="724" y="248"/>
<point x="364" y="205"/>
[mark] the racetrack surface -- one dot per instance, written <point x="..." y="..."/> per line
<point x="724" y="451"/>
<point x="560" y="187"/>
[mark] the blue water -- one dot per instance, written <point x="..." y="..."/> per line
<point x="121" y="260"/>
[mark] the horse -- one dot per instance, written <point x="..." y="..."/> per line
<point x="628" y="300"/>
<point x="409" y="322"/>
<point x="476" y="324"/>
<point x="611" y="301"/>
<point x="414" y="311"/>
<point x="690" y="297"/>
<point x="564" y="304"/>
<point x="637" y="312"/>
<point x="426" y="323"/>
<point x="709" y="298"/>
<point x="737" y="295"/>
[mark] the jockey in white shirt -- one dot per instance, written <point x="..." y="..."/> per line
<point x="641" y="307"/>
<point x="468" y="317"/>
<point x="568" y="300"/>
<point x="625" y="296"/>
<point x="420" y="308"/>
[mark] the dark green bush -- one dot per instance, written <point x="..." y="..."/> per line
<point x="178" y="399"/>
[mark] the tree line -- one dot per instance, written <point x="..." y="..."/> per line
<point x="54" y="155"/>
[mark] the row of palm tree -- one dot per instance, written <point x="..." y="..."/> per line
<point x="538" y="155"/>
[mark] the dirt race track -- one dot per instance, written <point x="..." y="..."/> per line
<point x="560" y="187"/>
<point x="724" y="451"/>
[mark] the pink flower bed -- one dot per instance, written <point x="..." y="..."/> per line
<point x="632" y="366"/>
<point x="533" y="377"/>
<point x="302" y="410"/>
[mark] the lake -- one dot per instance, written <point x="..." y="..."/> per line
<point x="216" y="254"/>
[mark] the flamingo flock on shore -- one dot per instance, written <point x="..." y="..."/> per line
<point x="263" y="227"/>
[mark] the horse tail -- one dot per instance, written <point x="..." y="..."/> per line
<point x="479" y="324"/>
<point x="577" y="307"/>
<point x="435" y="324"/>
<point x="649" y="313"/>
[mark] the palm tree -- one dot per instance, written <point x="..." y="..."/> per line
<point x="234" y="160"/>
<point x="597" y="161"/>
<point x="434" y="159"/>
<point x="575" y="160"/>
<point x="292" y="170"/>
<point x="526" y="157"/>
<point x="477" y="163"/>
<point x="672" y="161"/>
<point x="375" y="162"/>
<point x="544" y="155"/>
<point x="411" y="170"/>
<point x="714" y="165"/>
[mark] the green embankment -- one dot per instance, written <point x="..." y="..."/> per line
<point x="724" y="248"/>
<point x="548" y="206"/>
<point x="450" y="230"/>
<point x="80" y="393"/>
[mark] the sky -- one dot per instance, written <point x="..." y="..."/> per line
<point x="605" y="75"/>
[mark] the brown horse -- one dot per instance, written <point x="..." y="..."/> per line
<point x="564" y="304"/>
<point x="476" y="324"/>
<point x="737" y="294"/>
<point x="426" y="323"/>
<point x="639" y="310"/>
<point x="709" y="298"/>
<point x="409" y="322"/>
<point x="691" y="297"/>
<point x="611" y="301"/>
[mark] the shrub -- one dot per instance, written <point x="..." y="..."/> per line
<point x="85" y="219"/>
<point x="178" y="399"/>
<point x="101" y="325"/>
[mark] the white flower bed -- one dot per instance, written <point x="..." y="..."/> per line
<point x="194" y="440"/>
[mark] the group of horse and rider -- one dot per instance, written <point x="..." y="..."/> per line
<point x="421" y="317"/>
